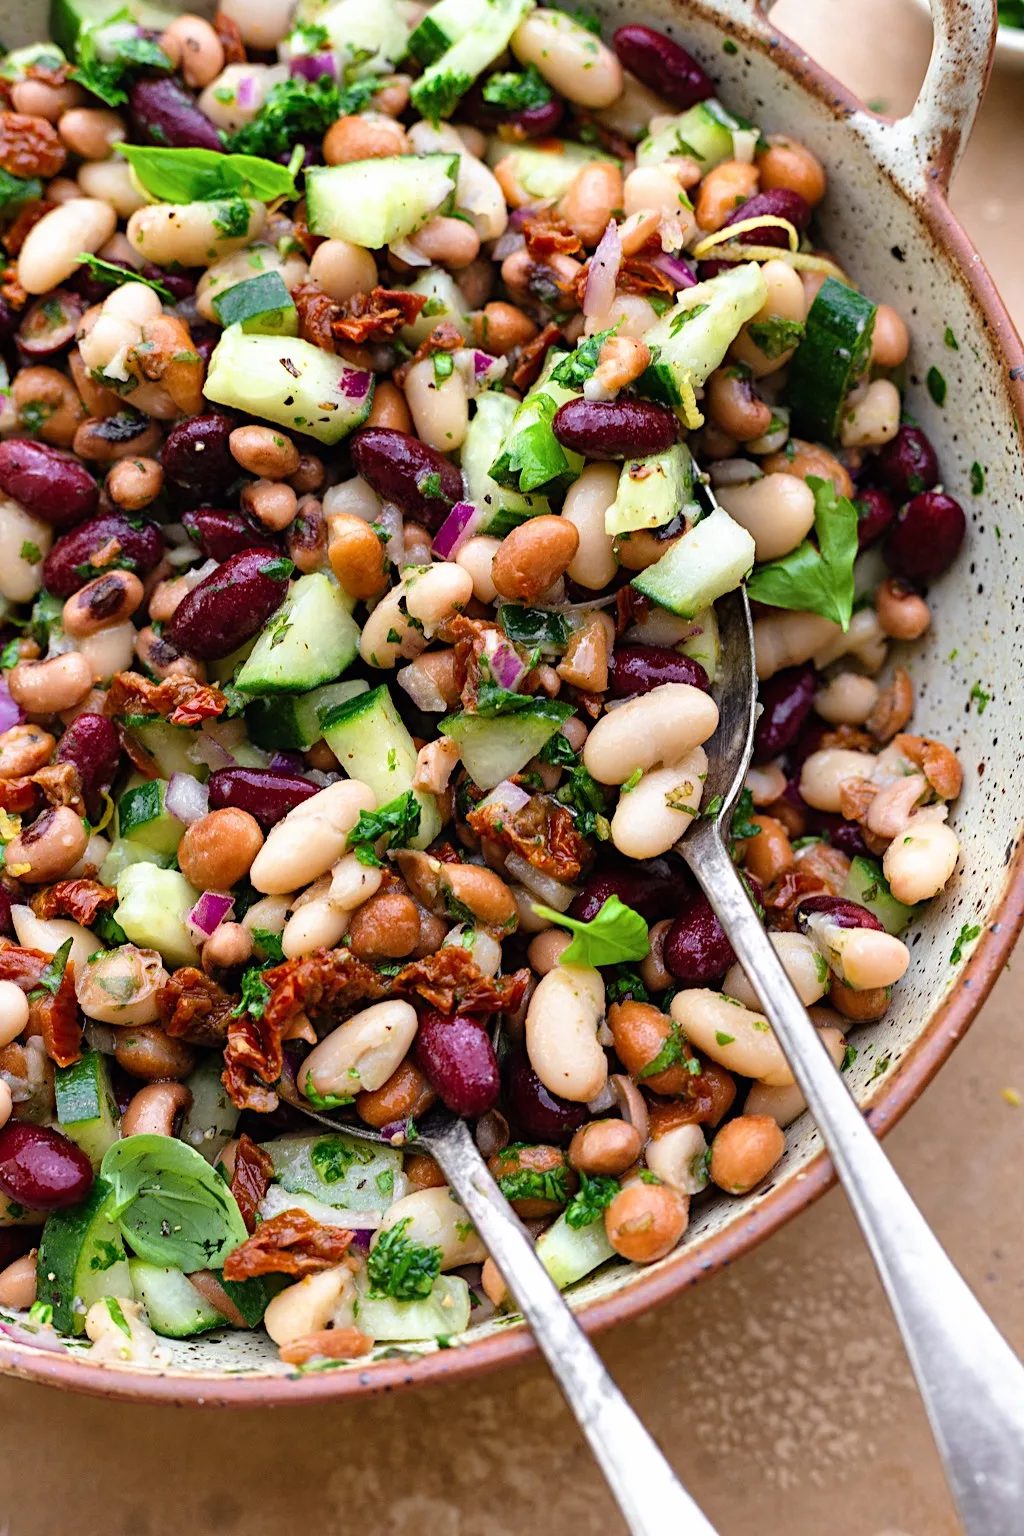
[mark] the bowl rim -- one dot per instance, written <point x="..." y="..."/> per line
<point x="1008" y="39"/>
<point x="651" y="1287"/>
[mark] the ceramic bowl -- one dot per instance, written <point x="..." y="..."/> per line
<point x="887" y="218"/>
<point x="1009" y="52"/>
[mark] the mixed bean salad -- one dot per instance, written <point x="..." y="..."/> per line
<point x="369" y="368"/>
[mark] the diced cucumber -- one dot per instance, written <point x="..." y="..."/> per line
<point x="689" y="341"/>
<point x="81" y="1258"/>
<point x="151" y="908"/>
<point x="167" y="744"/>
<point x="443" y="25"/>
<point x="174" y="1306"/>
<point x="290" y="382"/>
<point x="339" y="1170"/>
<point x="569" y="1253"/>
<point x="493" y="750"/>
<point x="311" y="639"/>
<point x="704" y="133"/>
<point x="68" y="17"/>
<point x="866" y="885"/>
<point x="830" y="359"/>
<point x="141" y="817"/>
<point x="371" y="743"/>
<point x="260" y="304"/>
<point x="444" y="82"/>
<point x="86" y="1108"/>
<point x="713" y="558"/>
<point x="445" y="301"/>
<point x="370" y="35"/>
<point x="375" y="202"/>
<point x="122" y="853"/>
<point x="210" y="1119"/>
<point x="223" y="671"/>
<point x="547" y="170"/>
<point x="444" y="1312"/>
<point x="652" y="491"/>
<point x="292" y="720"/>
<point x="531" y="457"/>
<point x="503" y="509"/>
<point x="703" y="644"/>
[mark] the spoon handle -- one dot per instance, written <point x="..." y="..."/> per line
<point x="970" y="1380"/>
<point x="648" y="1493"/>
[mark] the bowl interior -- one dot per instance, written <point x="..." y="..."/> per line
<point x="966" y="674"/>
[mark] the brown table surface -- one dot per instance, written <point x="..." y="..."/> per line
<point x="779" y="1389"/>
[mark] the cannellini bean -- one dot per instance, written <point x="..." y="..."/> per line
<point x="316" y="924"/>
<point x="804" y="966"/>
<point x="244" y="264"/>
<point x="307" y="1306"/>
<point x="388" y="636"/>
<point x="786" y="1104"/>
<point x="53" y="247"/>
<point x="191" y="234"/>
<point x="862" y="958"/>
<point x="48" y="935"/>
<point x="353" y="883"/>
<point x="362" y="1053"/>
<point x="436" y="1218"/>
<point x="825" y="770"/>
<point x="873" y="418"/>
<point x="310" y="838"/>
<point x="570" y="58"/>
<point x="21" y="578"/>
<point x="13" y="1004"/>
<point x="651" y="818"/>
<point x="261" y="23"/>
<point x="787" y="639"/>
<point x="477" y="556"/>
<point x="111" y="182"/>
<point x="786" y="301"/>
<point x="658" y="727"/>
<point x="586" y="502"/>
<point x="920" y="859"/>
<point x="561" y="1033"/>
<point x="864" y="639"/>
<point x="436" y="593"/>
<point x="778" y="510"/>
<point x="678" y="1158"/>
<point x="477" y="191"/>
<point x="847" y="700"/>
<point x="737" y="1038"/>
<point x="439" y="406"/>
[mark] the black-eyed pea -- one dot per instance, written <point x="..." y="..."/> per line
<point x="736" y="1037"/>
<point x="605" y="1147"/>
<point x="103" y="440"/>
<point x="745" y="1151"/>
<point x="154" y="1110"/>
<point x="437" y="1219"/>
<point x="645" y="1220"/>
<point x="266" y="916"/>
<point x="24" y="749"/>
<point x="272" y="502"/>
<point x="106" y="600"/>
<point x="561" y="1033"/>
<point x="306" y="537"/>
<point x="47" y="687"/>
<point x="49" y="847"/>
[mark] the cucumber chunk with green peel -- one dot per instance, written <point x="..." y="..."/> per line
<point x="829" y="360"/>
<point x="86" y="1108"/>
<point x="167" y="744"/>
<point x="704" y="644"/>
<point x="340" y="1170"/>
<point x="81" y="1259"/>
<point x="68" y="17"/>
<point x="370" y="35"/>
<point x="445" y="301"/>
<point x="291" y="382"/>
<point x="866" y="885"/>
<point x="211" y="1118"/>
<point x="502" y="508"/>
<point x="652" y="491"/>
<point x="370" y="741"/>
<point x="443" y="25"/>
<point x="151" y="908"/>
<point x="375" y="202"/>
<point x="141" y="817"/>
<point x="122" y="853"/>
<point x="311" y="639"/>
<point x="691" y="339"/>
<point x="704" y="133"/>
<point x="531" y="458"/>
<point x="446" y="80"/>
<point x="569" y="1253"/>
<point x="713" y="558"/>
<point x="291" y="721"/>
<point x="493" y="750"/>
<point x="260" y="304"/>
<point x="444" y="1312"/>
<point x="173" y="1305"/>
<point x="545" y="172"/>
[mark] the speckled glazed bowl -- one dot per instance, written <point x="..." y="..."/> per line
<point x="887" y="219"/>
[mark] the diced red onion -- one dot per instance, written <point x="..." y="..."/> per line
<point x="288" y="762"/>
<point x="311" y="66"/>
<point x="186" y="798"/>
<point x="212" y="909"/>
<point x="675" y="268"/>
<point x="507" y="797"/>
<point x="599" y="294"/>
<point x="508" y="243"/>
<point x="419" y="684"/>
<point x="245" y="94"/>
<point x="551" y="892"/>
<point x="208" y="751"/>
<point x="505" y="662"/>
<point x="390" y="519"/>
<point x="460" y="524"/>
<point x="44" y="1339"/>
<point x="10" y="713"/>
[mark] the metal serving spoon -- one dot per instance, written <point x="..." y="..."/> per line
<point x="970" y="1380"/>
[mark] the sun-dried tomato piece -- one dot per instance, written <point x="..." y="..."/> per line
<point x="16" y="233"/>
<point x="30" y="146"/>
<point x="193" y="1007"/>
<point x="80" y="899"/>
<point x="49" y="74"/>
<point x="638" y="274"/>
<point x="254" y="1170"/>
<point x="547" y="234"/>
<point x="630" y="607"/>
<point x="10" y="288"/>
<point x="379" y="314"/>
<point x="445" y="337"/>
<point x="317" y="312"/>
<point x="55" y="1018"/>
<point x="451" y="981"/>
<point x="290" y="1244"/>
<point x="533" y="355"/>
<point x="230" y="34"/>
<point x="180" y="699"/>
<point x="61" y="784"/>
<point x="247" y="1092"/>
<point x="542" y="831"/>
<point x="17" y="795"/>
<point x="328" y="1344"/>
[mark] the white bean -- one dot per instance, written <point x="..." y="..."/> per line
<point x="191" y="234"/>
<point x="21" y="577"/>
<point x="561" y="1032"/>
<point x="658" y="727"/>
<point x="13" y="1004"/>
<point x="437" y="1219"/>
<point x="778" y="510"/>
<point x="786" y="1104"/>
<point x="824" y="771"/>
<point x="387" y="634"/>
<point x="342" y="269"/>
<point x="109" y="650"/>
<point x="920" y="859"/>
<point x="477" y="556"/>
<point x="111" y="182"/>
<point x="586" y="502"/>
<point x="737" y="1038"/>
<point x="864" y="639"/>
<point x="477" y="191"/>
<point x="873" y="418"/>
<point x="49" y="934"/>
<point x="786" y="301"/>
<point x="269" y="915"/>
<point x="315" y="925"/>
<point x="802" y="963"/>
<point x="53" y="247"/>
<point x="221" y="102"/>
<point x="630" y="313"/>
<point x="678" y="1158"/>
<point x="847" y="700"/>
<point x="570" y="58"/>
<point x="439" y="406"/>
<point x="362" y="1053"/>
<point x="262" y="23"/>
<point x="863" y="958"/>
<point x="436" y="593"/>
<point x="353" y="883"/>
<point x="307" y="1306"/>
<point x="651" y="818"/>
<point x="311" y="838"/>
<point x="788" y="639"/>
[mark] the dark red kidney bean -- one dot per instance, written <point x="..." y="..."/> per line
<point x="91" y="742"/>
<point x="231" y="605"/>
<point x="786" y="701"/>
<point x="69" y="566"/>
<point x="196" y="459"/>
<point x="537" y="1114"/>
<point x="696" y="949"/>
<point x="845" y="914"/>
<point x="6" y="920"/>
<point x="663" y="66"/>
<point x="265" y="793"/>
<point x="926" y="536"/>
<point x="178" y="284"/>
<point x="51" y="485"/>
<point x="15" y="1242"/>
<point x="455" y="1055"/>
<point x="844" y="835"/>
<point x="875" y="511"/>
<point x="908" y="464"/>
<point x="41" y="1168"/>
<point x="781" y="203"/>
<point x="615" y="429"/>
<point x="533" y="123"/>
<point x="9" y="319"/>
<point x="163" y="113"/>
<point x="634" y="669"/>
<point x="652" y="895"/>
<point x="223" y="534"/>
<point x="49" y="325"/>
<point x="402" y="469"/>
<point x="92" y="289"/>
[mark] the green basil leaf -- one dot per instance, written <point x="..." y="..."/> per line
<point x="815" y="578"/>
<point x="616" y="933"/>
<point x="202" y="175"/>
<point x="172" y="1208"/>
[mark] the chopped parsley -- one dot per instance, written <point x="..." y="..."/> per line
<point x="398" y="822"/>
<point x="632" y="782"/>
<point x="232" y="217"/>
<point x="31" y="552"/>
<point x="323" y="1101"/>
<point x="951" y="341"/>
<point x="11" y="655"/>
<point x="53" y="974"/>
<point x="255" y="994"/>
<point x="776" y="335"/>
<point x="977" y="479"/>
<point x="270" y="943"/>
<point x="430" y="486"/>
<point x="556" y="750"/>
<point x="532" y="1183"/>
<point x="596" y="1193"/>
<point x="585" y="19"/>
<point x="588" y="802"/>
<point x="444" y="366"/>
<point x="723" y="1039"/>
<point x="625" y="985"/>
<point x="400" y="1267"/>
<point x="730" y="45"/>
<point x="517" y="92"/>
<point x="882" y="1066"/>
<point x="980" y="697"/>
<point x="849" y="1057"/>
<point x="685" y="316"/>
<point x="578" y="366"/>
<point x="671" y="1054"/>
<point x="298" y="109"/>
<point x="936" y="386"/>
<point x="742" y="825"/>
<point x="967" y="935"/>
